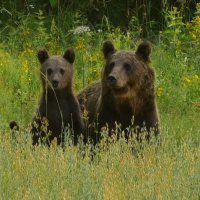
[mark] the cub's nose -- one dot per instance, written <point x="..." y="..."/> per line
<point x="111" y="80"/>
<point x="55" y="83"/>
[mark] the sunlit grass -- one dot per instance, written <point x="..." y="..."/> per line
<point x="169" y="171"/>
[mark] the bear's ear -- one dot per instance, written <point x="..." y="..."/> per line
<point x="14" y="126"/>
<point x="108" y="49"/>
<point x="43" y="55"/>
<point x="69" y="55"/>
<point x="144" y="50"/>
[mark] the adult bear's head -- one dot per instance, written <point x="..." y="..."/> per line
<point x="126" y="72"/>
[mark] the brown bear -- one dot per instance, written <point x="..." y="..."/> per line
<point x="125" y="94"/>
<point x="58" y="108"/>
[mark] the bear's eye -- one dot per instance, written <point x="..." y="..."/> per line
<point x="49" y="71"/>
<point x="62" y="71"/>
<point x="127" y="66"/>
<point x="111" y="65"/>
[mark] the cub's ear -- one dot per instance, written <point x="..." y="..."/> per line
<point x="108" y="49"/>
<point x="144" y="51"/>
<point x="69" y="55"/>
<point x="43" y="55"/>
<point x="14" y="126"/>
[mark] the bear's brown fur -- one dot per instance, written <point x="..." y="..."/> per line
<point x="126" y="90"/>
<point x="58" y="107"/>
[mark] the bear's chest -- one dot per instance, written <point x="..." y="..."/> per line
<point x="57" y="112"/>
<point x="122" y="116"/>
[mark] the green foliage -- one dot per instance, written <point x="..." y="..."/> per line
<point x="182" y="36"/>
<point x="118" y="170"/>
<point x="53" y="3"/>
<point x="174" y="28"/>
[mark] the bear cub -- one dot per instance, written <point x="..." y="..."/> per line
<point x="58" y="107"/>
<point x="125" y="94"/>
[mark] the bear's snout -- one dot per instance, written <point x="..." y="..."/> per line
<point x="55" y="83"/>
<point x="111" y="81"/>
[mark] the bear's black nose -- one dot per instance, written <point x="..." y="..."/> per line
<point x="111" y="80"/>
<point x="55" y="83"/>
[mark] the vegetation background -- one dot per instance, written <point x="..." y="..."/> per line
<point x="170" y="171"/>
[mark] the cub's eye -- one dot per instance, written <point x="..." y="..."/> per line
<point x="49" y="71"/>
<point x="127" y="66"/>
<point x="62" y="71"/>
<point x="111" y="65"/>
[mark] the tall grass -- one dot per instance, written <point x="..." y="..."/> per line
<point x="168" y="171"/>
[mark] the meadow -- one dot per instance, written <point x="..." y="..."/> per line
<point x="168" y="171"/>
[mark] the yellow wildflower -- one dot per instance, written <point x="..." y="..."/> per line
<point x="25" y="67"/>
<point x="197" y="20"/>
<point x="93" y="58"/>
<point x="196" y="77"/>
<point x="193" y="36"/>
<point x="27" y="52"/>
<point x="159" y="91"/>
<point x="80" y="44"/>
<point x="187" y="80"/>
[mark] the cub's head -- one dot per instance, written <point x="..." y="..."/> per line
<point x="56" y="71"/>
<point x="126" y="71"/>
